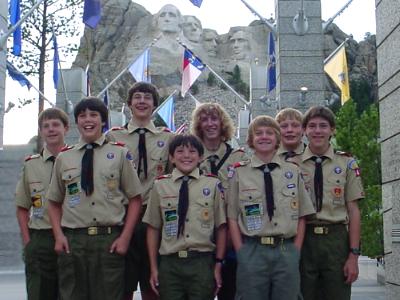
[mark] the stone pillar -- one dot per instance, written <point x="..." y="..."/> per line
<point x="299" y="58"/>
<point x="75" y="89"/>
<point x="388" y="56"/>
<point x="3" y="28"/>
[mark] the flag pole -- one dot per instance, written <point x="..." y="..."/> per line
<point x="335" y="51"/>
<point x="194" y="98"/>
<point x="126" y="68"/>
<point x="219" y="77"/>
<point x="160" y="106"/>
<point x="5" y="36"/>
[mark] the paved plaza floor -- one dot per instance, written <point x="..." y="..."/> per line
<point x="12" y="285"/>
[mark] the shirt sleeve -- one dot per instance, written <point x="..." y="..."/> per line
<point x="220" y="207"/>
<point x="153" y="212"/>
<point x="130" y="183"/>
<point x="353" y="189"/>
<point x="22" y="193"/>
<point x="232" y="196"/>
<point x="56" y="190"/>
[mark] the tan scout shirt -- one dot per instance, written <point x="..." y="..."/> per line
<point x="32" y="187"/>
<point x="157" y="142"/>
<point x="114" y="179"/>
<point x="282" y="152"/>
<point x="235" y="156"/>
<point x="205" y="212"/>
<point x="247" y="200"/>
<point x="342" y="183"/>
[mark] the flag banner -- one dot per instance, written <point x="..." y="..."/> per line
<point x="18" y="76"/>
<point x="336" y="68"/>
<point x="92" y="13"/>
<point x="88" y="92"/>
<point x="140" y="67"/>
<point x="56" y="61"/>
<point x="192" y="68"/>
<point x="271" y="76"/>
<point x="107" y="125"/>
<point x="167" y="112"/>
<point x="181" y="129"/>
<point x="196" y="2"/>
<point x="15" y="15"/>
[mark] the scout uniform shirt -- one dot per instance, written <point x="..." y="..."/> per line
<point x="205" y="212"/>
<point x="114" y="179"/>
<point x="157" y="141"/>
<point x="247" y="200"/>
<point x="235" y="156"/>
<point x="32" y="187"/>
<point x="292" y="157"/>
<point x="341" y="184"/>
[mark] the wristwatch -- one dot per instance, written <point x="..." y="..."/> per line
<point x="355" y="251"/>
<point x="219" y="260"/>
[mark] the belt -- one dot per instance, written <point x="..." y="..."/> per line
<point x="40" y="231"/>
<point x="94" y="230"/>
<point x="323" y="229"/>
<point x="189" y="254"/>
<point x="272" y="241"/>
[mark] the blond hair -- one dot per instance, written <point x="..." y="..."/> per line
<point x="262" y="121"/>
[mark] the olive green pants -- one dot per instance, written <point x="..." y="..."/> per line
<point x="41" y="266"/>
<point x="90" y="271"/>
<point x="322" y="260"/>
<point x="189" y="278"/>
<point x="267" y="272"/>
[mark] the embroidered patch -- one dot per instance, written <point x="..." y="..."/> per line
<point x="231" y="171"/>
<point x="160" y="144"/>
<point x="110" y="155"/>
<point x="294" y="204"/>
<point x="337" y="192"/>
<point x="291" y="186"/>
<point x="289" y="175"/>
<point x="205" y="214"/>
<point x="36" y="201"/>
<point x="171" y="224"/>
<point x="253" y="217"/>
<point x="338" y="170"/>
<point x="129" y="155"/>
<point x="73" y="188"/>
<point x="206" y="192"/>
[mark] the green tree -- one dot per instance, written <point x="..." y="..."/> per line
<point x="211" y="80"/>
<point x="358" y="134"/>
<point x="235" y="80"/>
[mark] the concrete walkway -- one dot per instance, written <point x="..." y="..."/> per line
<point x="12" y="284"/>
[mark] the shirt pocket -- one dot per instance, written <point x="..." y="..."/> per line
<point x="169" y="214"/>
<point x="111" y="180"/>
<point x="290" y="197"/>
<point x="336" y="189"/>
<point x="37" y="193"/>
<point x="72" y="180"/>
<point x="160" y="163"/>
<point x="204" y="211"/>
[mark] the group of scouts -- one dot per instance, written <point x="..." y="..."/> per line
<point x="188" y="217"/>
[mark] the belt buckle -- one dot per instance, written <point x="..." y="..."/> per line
<point x="92" y="231"/>
<point x="320" y="230"/>
<point x="109" y="230"/>
<point x="267" y="240"/>
<point x="183" y="254"/>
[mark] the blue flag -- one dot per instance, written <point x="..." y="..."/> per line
<point x="196" y="2"/>
<point x="167" y="111"/>
<point x="56" y="61"/>
<point x="140" y="67"/>
<point x="271" y="76"/>
<point x="108" y="123"/>
<point x="15" y="14"/>
<point x="92" y="13"/>
<point x="17" y="75"/>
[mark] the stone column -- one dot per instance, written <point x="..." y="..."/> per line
<point x="71" y="89"/>
<point x="388" y="56"/>
<point x="3" y="28"/>
<point x="299" y="58"/>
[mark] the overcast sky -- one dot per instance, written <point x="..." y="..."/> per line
<point x="359" y="18"/>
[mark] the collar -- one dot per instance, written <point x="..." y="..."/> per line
<point x="132" y="126"/>
<point x="220" y="151"/>
<point x="176" y="174"/>
<point x="308" y="154"/>
<point x="46" y="154"/>
<point x="255" y="162"/>
<point x="299" y="150"/>
<point x="100" y="141"/>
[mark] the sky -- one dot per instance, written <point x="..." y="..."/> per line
<point x="359" y="18"/>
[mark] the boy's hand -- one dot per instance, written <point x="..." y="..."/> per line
<point x="154" y="282"/>
<point x="61" y="244"/>
<point x="217" y="277"/>
<point x="119" y="246"/>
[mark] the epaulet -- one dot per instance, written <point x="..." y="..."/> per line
<point x="348" y="154"/>
<point x="211" y="175"/>
<point x="165" y="129"/>
<point x="117" y="128"/>
<point x="66" y="148"/>
<point x="241" y="149"/>
<point x="164" y="176"/>
<point x="239" y="164"/>
<point x="33" y="156"/>
<point x="121" y="144"/>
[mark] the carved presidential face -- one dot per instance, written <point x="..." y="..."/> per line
<point x="210" y="44"/>
<point x="192" y="29"/>
<point x="169" y="19"/>
<point x="240" y="45"/>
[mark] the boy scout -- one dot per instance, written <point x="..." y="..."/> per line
<point x="186" y="208"/>
<point x="214" y="127"/>
<point x="90" y="184"/>
<point x="266" y="198"/>
<point x="149" y="146"/>
<point x="291" y="128"/>
<point x="329" y="261"/>
<point x="33" y="219"/>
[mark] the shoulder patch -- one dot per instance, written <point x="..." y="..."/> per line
<point x="33" y="156"/>
<point x="164" y="176"/>
<point x="211" y="175"/>
<point x="121" y="144"/>
<point x="166" y="129"/>
<point x="66" y="148"/>
<point x="116" y="128"/>
<point x="239" y="164"/>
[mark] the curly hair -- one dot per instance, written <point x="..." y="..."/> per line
<point x="227" y="127"/>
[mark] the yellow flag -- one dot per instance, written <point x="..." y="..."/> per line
<point x="336" y="68"/>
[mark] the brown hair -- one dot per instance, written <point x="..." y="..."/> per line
<point x="289" y="113"/>
<point x="51" y="114"/>
<point x="144" y="87"/>
<point x="319" y="111"/>
<point x="259" y="121"/>
<point x="227" y="127"/>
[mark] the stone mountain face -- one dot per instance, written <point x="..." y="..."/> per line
<point x="127" y="28"/>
